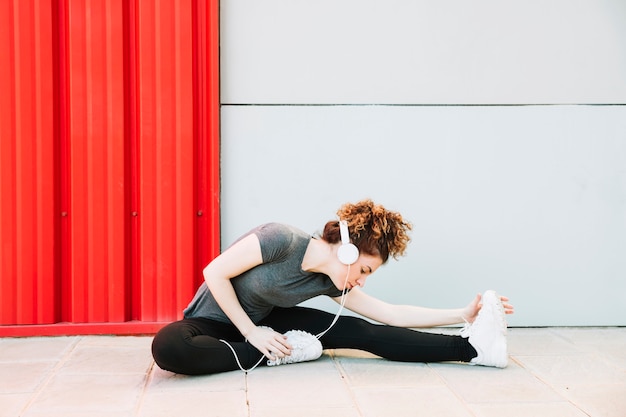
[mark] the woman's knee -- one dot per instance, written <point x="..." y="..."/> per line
<point x="168" y="346"/>
<point x="184" y="348"/>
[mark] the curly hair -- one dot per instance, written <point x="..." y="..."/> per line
<point x="373" y="229"/>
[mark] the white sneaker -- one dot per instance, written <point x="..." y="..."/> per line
<point x="488" y="333"/>
<point x="304" y="347"/>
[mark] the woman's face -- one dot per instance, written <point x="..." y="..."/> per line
<point x="364" y="266"/>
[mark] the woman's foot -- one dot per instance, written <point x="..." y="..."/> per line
<point x="305" y="347"/>
<point x="487" y="334"/>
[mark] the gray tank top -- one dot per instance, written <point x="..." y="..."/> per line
<point x="278" y="282"/>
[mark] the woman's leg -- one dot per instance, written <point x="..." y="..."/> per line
<point x="390" y="342"/>
<point x="192" y="347"/>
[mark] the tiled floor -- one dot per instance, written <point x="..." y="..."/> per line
<point x="564" y="372"/>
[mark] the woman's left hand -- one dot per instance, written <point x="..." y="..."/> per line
<point x="471" y="311"/>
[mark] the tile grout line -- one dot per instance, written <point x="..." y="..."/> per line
<point x="344" y="376"/>
<point x="148" y="381"/>
<point x="247" y="391"/>
<point x="46" y="380"/>
<point x="456" y="394"/>
<point x="549" y="385"/>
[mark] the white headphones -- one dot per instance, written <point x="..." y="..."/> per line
<point x="347" y="252"/>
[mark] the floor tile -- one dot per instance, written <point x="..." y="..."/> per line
<point x="539" y="342"/>
<point x="141" y="342"/>
<point x="598" y="400"/>
<point x="107" y="360"/>
<point x="164" y="381"/>
<point x="591" y="338"/>
<point x="475" y="384"/>
<point x="614" y="357"/>
<point x="561" y="371"/>
<point x="194" y="403"/>
<point x="90" y="393"/>
<point x="12" y="404"/>
<point x="32" y="349"/>
<point x="421" y="401"/>
<point x="607" y="343"/>
<point x="79" y="413"/>
<point x="381" y="372"/>
<point x="281" y="411"/>
<point x="554" y="409"/>
<point x="22" y="377"/>
<point x="298" y="385"/>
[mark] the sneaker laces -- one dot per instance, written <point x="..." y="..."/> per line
<point x="306" y="347"/>
<point x="466" y="331"/>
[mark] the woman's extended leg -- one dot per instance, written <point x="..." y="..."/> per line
<point x="389" y="342"/>
<point x="192" y="347"/>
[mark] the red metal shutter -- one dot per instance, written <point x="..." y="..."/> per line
<point x="27" y="154"/>
<point x="109" y="151"/>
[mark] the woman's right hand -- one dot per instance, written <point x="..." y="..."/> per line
<point x="270" y="343"/>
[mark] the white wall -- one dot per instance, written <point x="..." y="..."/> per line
<point x="530" y="200"/>
<point x="423" y="51"/>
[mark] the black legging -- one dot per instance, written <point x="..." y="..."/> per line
<point x="192" y="346"/>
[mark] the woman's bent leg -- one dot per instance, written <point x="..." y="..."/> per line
<point x="193" y="347"/>
<point x="389" y="342"/>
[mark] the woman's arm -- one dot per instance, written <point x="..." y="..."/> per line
<point x="411" y="316"/>
<point x="239" y="258"/>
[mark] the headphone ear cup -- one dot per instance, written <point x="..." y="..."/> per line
<point x="347" y="253"/>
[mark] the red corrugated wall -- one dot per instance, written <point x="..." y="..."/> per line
<point x="109" y="162"/>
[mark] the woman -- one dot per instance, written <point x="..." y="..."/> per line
<point x="247" y="306"/>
